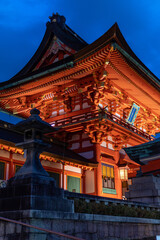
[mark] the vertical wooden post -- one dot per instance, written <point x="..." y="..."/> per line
<point x="84" y="184"/>
<point x="98" y="175"/>
<point x="116" y="156"/>
<point x="118" y="182"/>
<point x="11" y="167"/>
<point x="63" y="172"/>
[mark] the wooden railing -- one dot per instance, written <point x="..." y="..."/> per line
<point x="99" y="115"/>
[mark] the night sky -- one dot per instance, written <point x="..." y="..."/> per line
<point x="23" y="24"/>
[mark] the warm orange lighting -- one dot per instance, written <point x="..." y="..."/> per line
<point x="123" y="173"/>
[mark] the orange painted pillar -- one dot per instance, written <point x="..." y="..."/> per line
<point x="118" y="182"/>
<point x="63" y="179"/>
<point x="98" y="170"/>
<point x="11" y="167"/>
<point x="84" y="181"/>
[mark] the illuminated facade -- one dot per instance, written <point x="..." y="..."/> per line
<point x="101" y="98"/>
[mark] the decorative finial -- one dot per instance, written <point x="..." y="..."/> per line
<point x="57" y="19"/>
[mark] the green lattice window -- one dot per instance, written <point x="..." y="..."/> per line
<point x="73" y="184"/>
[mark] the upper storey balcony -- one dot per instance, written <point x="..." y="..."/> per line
<point x="99" y="115"/>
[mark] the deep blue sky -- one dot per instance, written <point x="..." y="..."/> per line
<point x="23" y="24"/>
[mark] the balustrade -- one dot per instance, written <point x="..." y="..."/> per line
<point x="100" y="115"/>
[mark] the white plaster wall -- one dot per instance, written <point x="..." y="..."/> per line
<point x="103" y="144"/>
<point x="110" y="138"/>
<point x="90" y="184"/>
<point x="86" y="143"/>
<point x="85" y="105"/>
<point x="51" y="164"/>
<point x="77" y="107"/>
<point x="73" y="169"/>
<point x="87" y="155"/>
<point x="128" y="145"/>
<point x="75" y="146"/>
<point x="4" y="153"/>
<point x="110" y="146"/>
<point x="54" y="113"/>
<point x="61" y="112"/>
<point x="18" y="157"/>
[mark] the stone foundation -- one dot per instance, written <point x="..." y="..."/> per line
<point x="86" y="226"/>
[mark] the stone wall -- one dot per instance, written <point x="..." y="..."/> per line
<point x="145" y="189"/>
<point x="85" y="226"/>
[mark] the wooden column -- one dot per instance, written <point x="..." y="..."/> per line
<point x="63" y="178"/>
<point x="98" y="170"/>
<point x="84" y="183"/>
<point x="11" y="166"/>
<point x="118" y="182"/>
<point x="116" y="156"/>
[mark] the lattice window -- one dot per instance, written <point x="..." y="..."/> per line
<point x="108" y="176"/>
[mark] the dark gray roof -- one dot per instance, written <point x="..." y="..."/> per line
<point x="9" y="134"/>
<point x="145" y="150"/>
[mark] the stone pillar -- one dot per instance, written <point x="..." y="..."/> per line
<point x="145" y="189"/>
<point x="32" y="188"/>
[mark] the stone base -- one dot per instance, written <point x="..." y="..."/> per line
<point x="33" y="192"/>
<point x="145" y="189"/>
<point x="85" y="226"/>
<point x="38" y="218"/>
<point x="26" y="236"/>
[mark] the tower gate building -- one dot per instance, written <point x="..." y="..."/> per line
<point x="99" y="97"/>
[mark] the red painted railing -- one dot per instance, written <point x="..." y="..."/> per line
<point x="99" y="115"/>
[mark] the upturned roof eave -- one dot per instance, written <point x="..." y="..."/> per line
<point x="54" y="29"/>
<point x="114" y="37"/>
<point x="136" y="153"/>
<point x="60" y="31"/>
<point x="141" y="68"/>
<point x="55" y="67"/>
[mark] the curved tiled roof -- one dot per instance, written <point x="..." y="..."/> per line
<point x="10" y="137"/>
<point x="143" y="151"/>
<point x="58" y="28"/>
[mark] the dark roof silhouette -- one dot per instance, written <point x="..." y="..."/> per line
<point x="57" y="27"/>
<point x="143" y="151"/>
